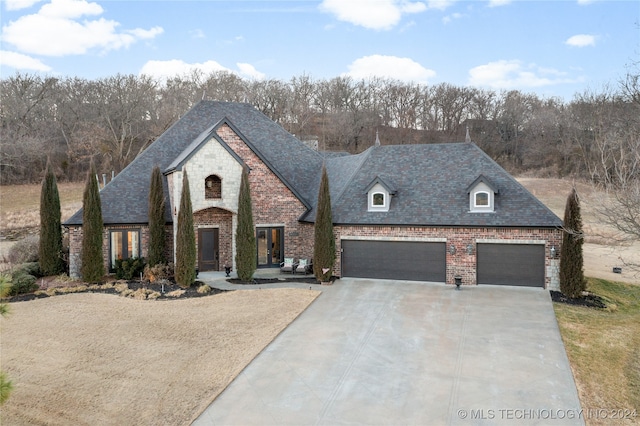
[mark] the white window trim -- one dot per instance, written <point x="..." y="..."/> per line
<point x="481" y="206"/>
<point x="384" y="200"/>
<point x="378" y="208"/>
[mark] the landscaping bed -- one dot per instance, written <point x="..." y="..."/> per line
<point x="588" y="300"/>
<point x="134" y="289"/>
<point x="293" y="279"/>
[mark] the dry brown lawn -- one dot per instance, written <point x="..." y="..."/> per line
<point x="101" y="359"/>
<point x="601" y="250"/>
<point x="20" y="204"/>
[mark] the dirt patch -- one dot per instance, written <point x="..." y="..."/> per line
<point x="98" y="359"/>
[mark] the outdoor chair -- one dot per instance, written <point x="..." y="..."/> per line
<point x="288" y="266"/>
<point x="304" y="266"/>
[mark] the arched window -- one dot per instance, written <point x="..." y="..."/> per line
<point x="378" y="199"/>
<point x="212" y="187"/>
<point x="481" y="199"/>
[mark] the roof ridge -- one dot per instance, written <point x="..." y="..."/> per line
<point x="367" y="154"/>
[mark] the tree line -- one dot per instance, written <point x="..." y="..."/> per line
<point x="72" y="121"/>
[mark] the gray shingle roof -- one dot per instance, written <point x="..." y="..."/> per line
<point x="125" y="198"/>
<point x="431" y="183"/>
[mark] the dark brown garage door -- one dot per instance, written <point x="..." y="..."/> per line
<point x="398" y="260"/>
<point x="511" y="264"/>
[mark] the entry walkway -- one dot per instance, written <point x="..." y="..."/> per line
<point x="389" y="352"/>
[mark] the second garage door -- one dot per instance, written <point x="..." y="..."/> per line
<point x="511" y="264"/>
<point x="398" y="260"/>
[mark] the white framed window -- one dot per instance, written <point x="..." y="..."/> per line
<point x="379" y="196"/>
<point x="481" y="199"/>
<point x="378" y="199"/>
<point x="482" y="195"/>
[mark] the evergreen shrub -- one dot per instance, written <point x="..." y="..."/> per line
<point x="127" y="269"/>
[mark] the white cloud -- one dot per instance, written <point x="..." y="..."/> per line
<point x="69" y="9"/>
<point x="439" y="4"/>
<point x="585" y="2"/>
<point x="581" y="40"/>
<point x="249" y="71"/>
<point x="57" y="30"/>
<point x="514" y="74"/>
<point x="19" y="4"/>
<point x="197" y="33"/>
<point x="497" y="3"/>
<point x="21" y="62"/>
<point x="403" y="69"/>
<point x="376" y="15"/>
<point x="449" y="18"/>
<point x="162" y="70"/>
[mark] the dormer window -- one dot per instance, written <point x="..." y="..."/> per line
<point x="378" y="199"/>
<point x="379" y="194"/>
<point x="482" y="194"/>
<point x="481" y="199"/>
<point x="212" y="187"/>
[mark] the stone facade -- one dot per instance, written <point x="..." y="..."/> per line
<point x="460" y="263"/>
<point x="273" y="203"/>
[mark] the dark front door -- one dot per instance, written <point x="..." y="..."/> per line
<point x="270" y="243"/>
<point x="208" y="249"/>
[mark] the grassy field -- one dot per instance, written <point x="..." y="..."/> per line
<point x="603" y="347"/>
<point x="20" y="204"/>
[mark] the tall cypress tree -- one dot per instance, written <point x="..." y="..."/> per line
<point x="92" y="269"/>
<point x="572" y="281"/>
<point x="157" y="233"/>
<point x="50" y="249"/>
<point x="245" y="232"/>
<point x="324" y="247"/>
<point x="185" y="272"/>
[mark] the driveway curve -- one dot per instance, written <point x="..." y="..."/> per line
<point x="393" y="352"/>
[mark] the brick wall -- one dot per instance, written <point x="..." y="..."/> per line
<point x="273" y="203"/>
<point x="75" y="245"/>
<point x="460" y="263"/>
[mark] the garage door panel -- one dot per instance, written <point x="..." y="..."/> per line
<point x="400" y="260"/>
<point x="511" y="264"/>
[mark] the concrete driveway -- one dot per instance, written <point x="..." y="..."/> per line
<point x="391" y="352"/>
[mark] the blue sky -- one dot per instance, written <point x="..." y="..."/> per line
<point x="552" y="48"/>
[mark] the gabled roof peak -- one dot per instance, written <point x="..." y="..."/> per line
<point x="386" y="184"/>
<point x="482" y="178"/>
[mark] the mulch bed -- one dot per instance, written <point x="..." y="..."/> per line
<point x="293" y="279"/>
<point x="133" y="286"/>
<point x="49" y="283"/>
<point x="588" y="300"/>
